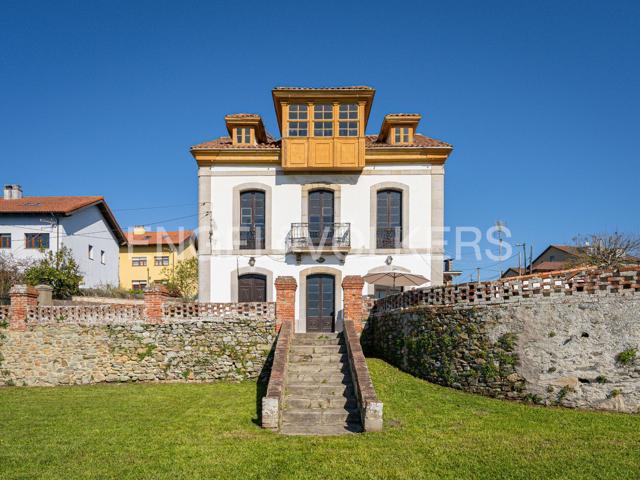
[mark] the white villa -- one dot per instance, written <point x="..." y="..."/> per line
<point x="323" y="202"/>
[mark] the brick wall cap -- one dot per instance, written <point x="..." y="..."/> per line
<point x="23" y="290"/>
<point x="157" y="288"/>
<point x="353" y="281"/>
<point x="286" y="281"/>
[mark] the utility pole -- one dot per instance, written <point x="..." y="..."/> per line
<point x="524" y="257"/>
<point x="499" y="227"/>
<point x="530" y="259"/>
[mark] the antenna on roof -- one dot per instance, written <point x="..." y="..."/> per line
<point x="500" y="225"/>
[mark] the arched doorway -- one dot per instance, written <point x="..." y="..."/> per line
<point x="252" y="287"/>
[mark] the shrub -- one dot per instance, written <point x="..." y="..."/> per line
<point x="58" y="270"/>
<point x="182" y="280"/>
<point x="627" y="357"/>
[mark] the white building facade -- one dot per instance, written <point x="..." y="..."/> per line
<point x="32" y="226"/>
<point x="325" y="202"/>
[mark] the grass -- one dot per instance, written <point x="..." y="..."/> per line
<point x="189" y="431"/>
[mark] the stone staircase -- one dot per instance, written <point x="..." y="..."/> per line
<point x="319" y="397"/>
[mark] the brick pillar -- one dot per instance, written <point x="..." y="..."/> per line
<point x="353" y="303"/>
<point x="22" y="297"/>
<point x="285" y="300"/>
<point x="154" y="297"/>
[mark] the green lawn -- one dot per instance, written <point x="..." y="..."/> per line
<point x="209" y="431"/>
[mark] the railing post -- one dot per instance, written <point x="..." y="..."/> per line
<point x="154" y="298"/>
<point x="353" y="303"/>
<point x="285" y="300"/>
<point x="22" y="298"/>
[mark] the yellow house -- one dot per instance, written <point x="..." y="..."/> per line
<point x="147" y="254"/>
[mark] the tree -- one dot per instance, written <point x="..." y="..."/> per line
<point x="608" y="250"/>
<point x="58" y="270"/>
<point x="182" y="280"/>
<point x="11" y="272"/>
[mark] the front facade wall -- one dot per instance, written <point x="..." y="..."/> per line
<point x="550" y="351"/>
<point x="286" y="196"/>
<point x="78" y="231"/>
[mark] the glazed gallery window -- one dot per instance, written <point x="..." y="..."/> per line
<point x="323" y="120"/>
<point x="36" y="240"/>
<point x="348" y="120"/>
<point x="243" y="135"/>
<point x="5" y="240"/>
<point x="389" y="219"/>
<point x="402" y="135"/>
<point x="161" y="261"/>
<point x="139" y="262"/>
<point x="298" y="120"/>
<point x="252" y="220"/>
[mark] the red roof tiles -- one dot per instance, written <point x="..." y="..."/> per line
<point x="159" y="238"/>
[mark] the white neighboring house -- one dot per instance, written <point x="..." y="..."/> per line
<point x="324" y="202"/>
<point x="29" y="225"/>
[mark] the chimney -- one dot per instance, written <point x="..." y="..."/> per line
<point x="12" y="192"/>
<point x="139" y="230"/>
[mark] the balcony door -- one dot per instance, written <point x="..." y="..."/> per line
<point x="321" y="217"/>
<point x="389" y="219"/>
<point x="321" y="301"/>
<point x="252" y="220"/>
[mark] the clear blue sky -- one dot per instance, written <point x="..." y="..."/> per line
<point x="540" y="99"/>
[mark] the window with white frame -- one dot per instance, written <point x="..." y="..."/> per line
<point x="298" y="120"/>
<point x="348" y="120"/>
<point x="138" y="285"/>
<point x="323" y="120"/>
<point x="139" y="262"/>
<point x="162" y="261"/>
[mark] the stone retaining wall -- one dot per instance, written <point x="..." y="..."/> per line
<point x="578" y="350"/>
<point x="51" y="351"/>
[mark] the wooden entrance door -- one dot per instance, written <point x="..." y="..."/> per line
<point x="321" y="303"/>
<point x="321" y="217"/>
<point x="252" y="288"/>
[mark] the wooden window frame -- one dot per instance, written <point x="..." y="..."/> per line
<point x="298" y="120"/>
<point x="323" y="120"/>
<point x="243" y="136"/>
<point x="259" y="243"/>
<point x="402" y="135"/>
<point x="347" y="122"/>
<point x="36" y="241"/>
<point x="5" y="240"/>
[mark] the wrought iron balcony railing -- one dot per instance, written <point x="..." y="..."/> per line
<point x="310" y="236"/>
<point x="389" y="237"/>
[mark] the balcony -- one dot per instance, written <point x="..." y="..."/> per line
<point x="319" y="238"/>
<point x="389" y="237"/>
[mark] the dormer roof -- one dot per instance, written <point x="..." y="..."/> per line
<point x="398" y="120"/>
<point x="247" y="120"/>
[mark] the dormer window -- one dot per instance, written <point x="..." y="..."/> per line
<point x="298" y="120"/>
<point x="323" y="120"/>
<point x="348" y="120"/>
<point x="243" y="135"/>
<point x="402" y="135"/>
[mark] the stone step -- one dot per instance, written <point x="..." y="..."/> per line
<point x="304" y="339"/>
<point x="317" y="358"/>
<point x="298" y="402"/>
<point x="335" y="378"/>
<point x="310" y="390"/>
<point x="318" y="368"/>
<point x="320" y="416"/>
<point x="316" y="430"/>
<point x="317" y="349"/>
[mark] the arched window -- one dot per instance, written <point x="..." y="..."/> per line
<point x="252" y="220"/>
<point x="252" y="287"/>
<point x="389" y="219"/>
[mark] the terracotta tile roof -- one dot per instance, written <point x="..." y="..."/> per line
<point x="226" y="142"/>
<point x="419" y="141"/>
<point x="353" y="87"/>
<point x="159" y="238"/>
<point x="549" y="266"/>
<point x="60" y="206"/>
<point x="371" y="141"/>
<point x="243" y="115"/>
<point x="570" y="249"/>
<point x="391" y="115"/>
